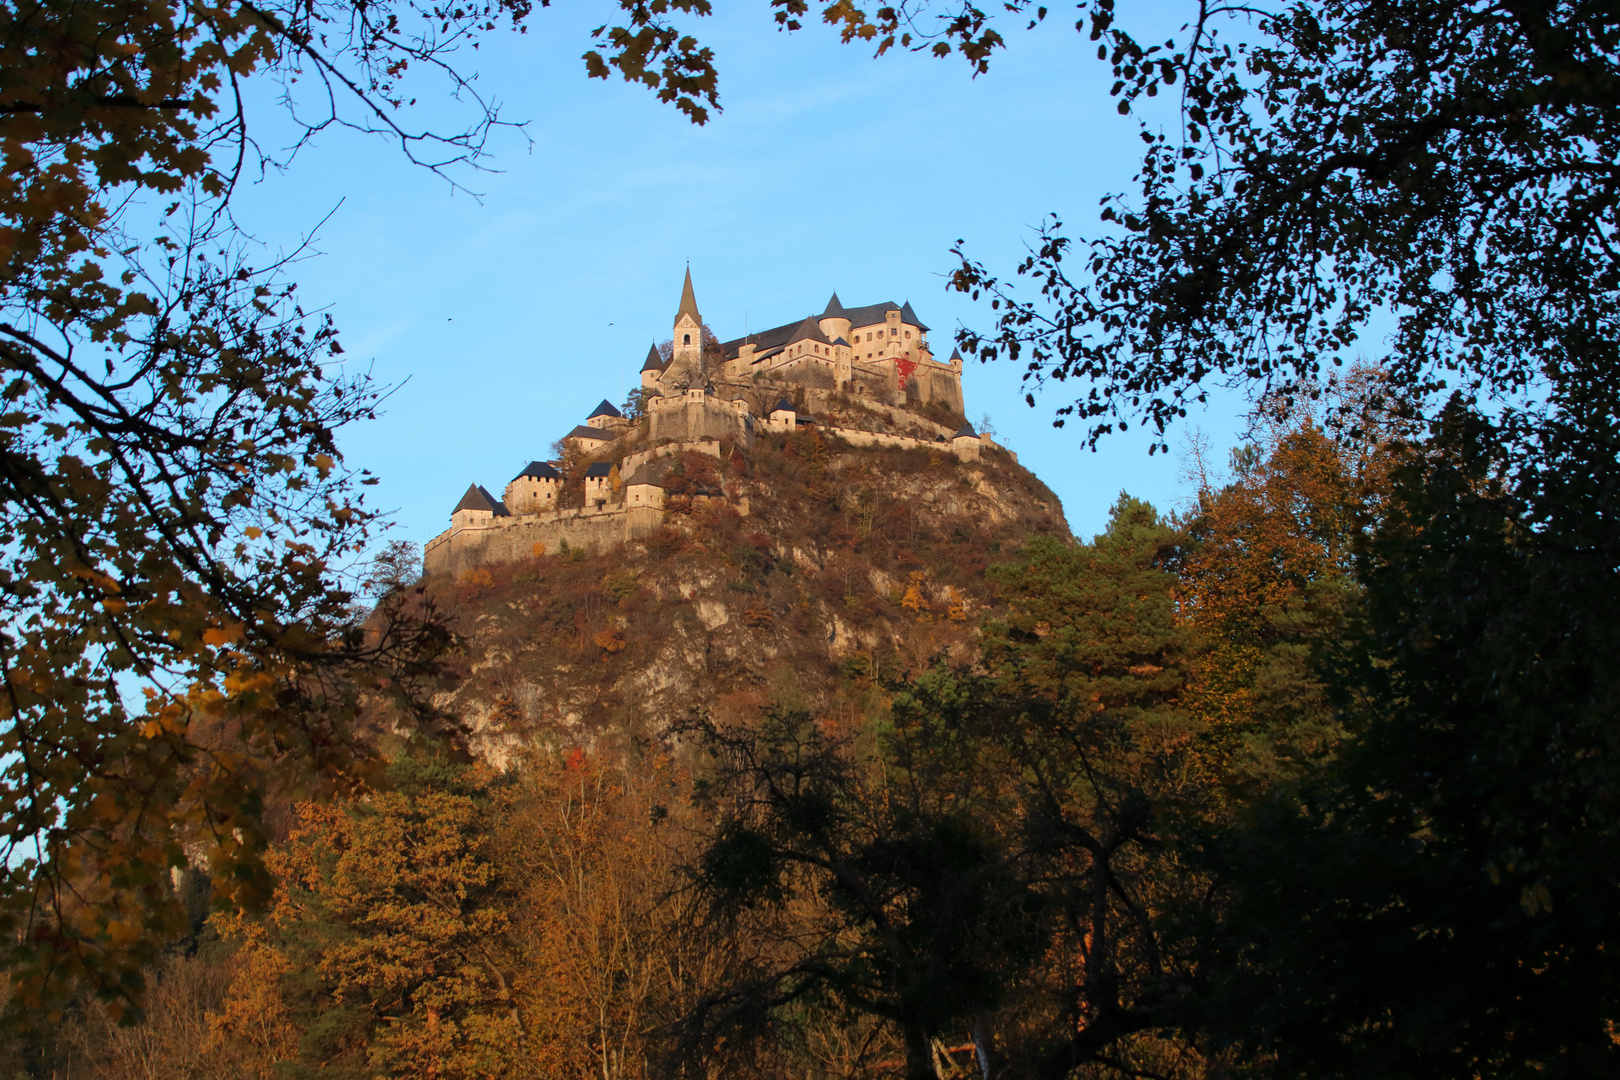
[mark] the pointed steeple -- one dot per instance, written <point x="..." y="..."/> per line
<point x="835" y="310"/>
<point x="956" y="355"/>
<point x="909" y="316"/>
<point x="688" y="301"/>
<point x="604" y="409"/>
<point x="654" y="362"/>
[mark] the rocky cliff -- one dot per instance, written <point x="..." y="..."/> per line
<point x="805" y="570"/>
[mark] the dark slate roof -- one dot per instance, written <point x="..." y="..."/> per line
<point x="654" y="362"/>
<point x="688" y="301"/>
<point x="479" y="499"/>
<point x="809" y="330"/>
<point x="783" y="404"/>
<point x="956" y="354"/>
<point x="835" y="310"/>
<point x="600" y="468"/>
<point x="871" y="313"/>
<point x="966" y="432"/>
<point x="605" y="409"/>
<point x="584" y="431"/>
<point x="540" y="471"/>
<point x="788" y="333"/>
<point x="909" y="316"/>
<point x="840" y="341"/>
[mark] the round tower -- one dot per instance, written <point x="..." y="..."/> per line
<point x="834" y="322"/>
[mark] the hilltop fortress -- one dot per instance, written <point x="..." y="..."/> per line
<point x="865" y="375"/>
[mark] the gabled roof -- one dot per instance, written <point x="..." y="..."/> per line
<point x="835" y="310"/>
<point x="688" y="301"/>
<point x="966" y="432"/>
<point x="654" y="362"/>
<point x="585" y="432"/>
<point x="840" y="341"/>
<point x="539" y="470"/>
<point x="605" y="409"/>
<point x="479" y="499"/>
<point x="909" y="316"/>
<point x="599" y="468"/>
<point x="782" y="406"/>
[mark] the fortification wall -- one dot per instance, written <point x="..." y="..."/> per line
<point x="694" y="415"/>
<point x="935" y="382"/>
<point x="456" y="551"/>
<point x="634" y="461"/>
<point x="964" y="449"/>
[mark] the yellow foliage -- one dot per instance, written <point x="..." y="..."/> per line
<point x="913" y="601"/>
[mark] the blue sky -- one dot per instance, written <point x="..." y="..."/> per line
<point x="504" y="319"/>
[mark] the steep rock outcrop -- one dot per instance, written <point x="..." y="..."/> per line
<point x="849" y="566"/>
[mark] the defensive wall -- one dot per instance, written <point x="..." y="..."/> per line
<point x="510" y="539"/>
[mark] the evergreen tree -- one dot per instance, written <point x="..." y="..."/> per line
<point x="1442" y="904"/>
<point x="392" y="931"/>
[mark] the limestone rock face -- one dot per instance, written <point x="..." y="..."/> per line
<point x="851" y="566"/>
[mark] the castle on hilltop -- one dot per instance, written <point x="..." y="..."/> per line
<point x="845" y="372"/>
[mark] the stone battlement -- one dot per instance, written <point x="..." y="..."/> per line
<point x="526" y="536"/>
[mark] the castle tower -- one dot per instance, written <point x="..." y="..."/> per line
<point x="651" y="369"/>
<point x="688" y="330"/>
<point x="834" y="322"/>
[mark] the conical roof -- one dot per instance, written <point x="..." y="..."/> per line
<point x="808" y="330"/>
<point x="835" y="310"/>
<point x="956" y="354"/>
<point x="688" y="301"/>
<point x="909" y="316"/>
<point x="966" y="432"/>
<point x="654" y="362"/>
<point x="605" y="409"/>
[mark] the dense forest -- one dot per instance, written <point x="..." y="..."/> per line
<point x="1097" y="839"/>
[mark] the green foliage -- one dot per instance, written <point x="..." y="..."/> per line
<point x="1440" y="904"/>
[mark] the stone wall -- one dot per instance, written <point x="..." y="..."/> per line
<point x="935" y="382"/>
<point x="692" y="414"/>
<point x="634" y="461"/>
<point x="454" y="552"/>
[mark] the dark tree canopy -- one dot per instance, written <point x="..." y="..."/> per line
<point x="1450" y="165"/>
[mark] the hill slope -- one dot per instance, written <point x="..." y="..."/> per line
<point x="801" y="571"/>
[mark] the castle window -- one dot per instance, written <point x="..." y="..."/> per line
<point x="908" y="335"/>
<point x="686" y="339"/>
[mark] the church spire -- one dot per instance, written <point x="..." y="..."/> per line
<point x="688" y="301"/>
<point x="688" y="358"/>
